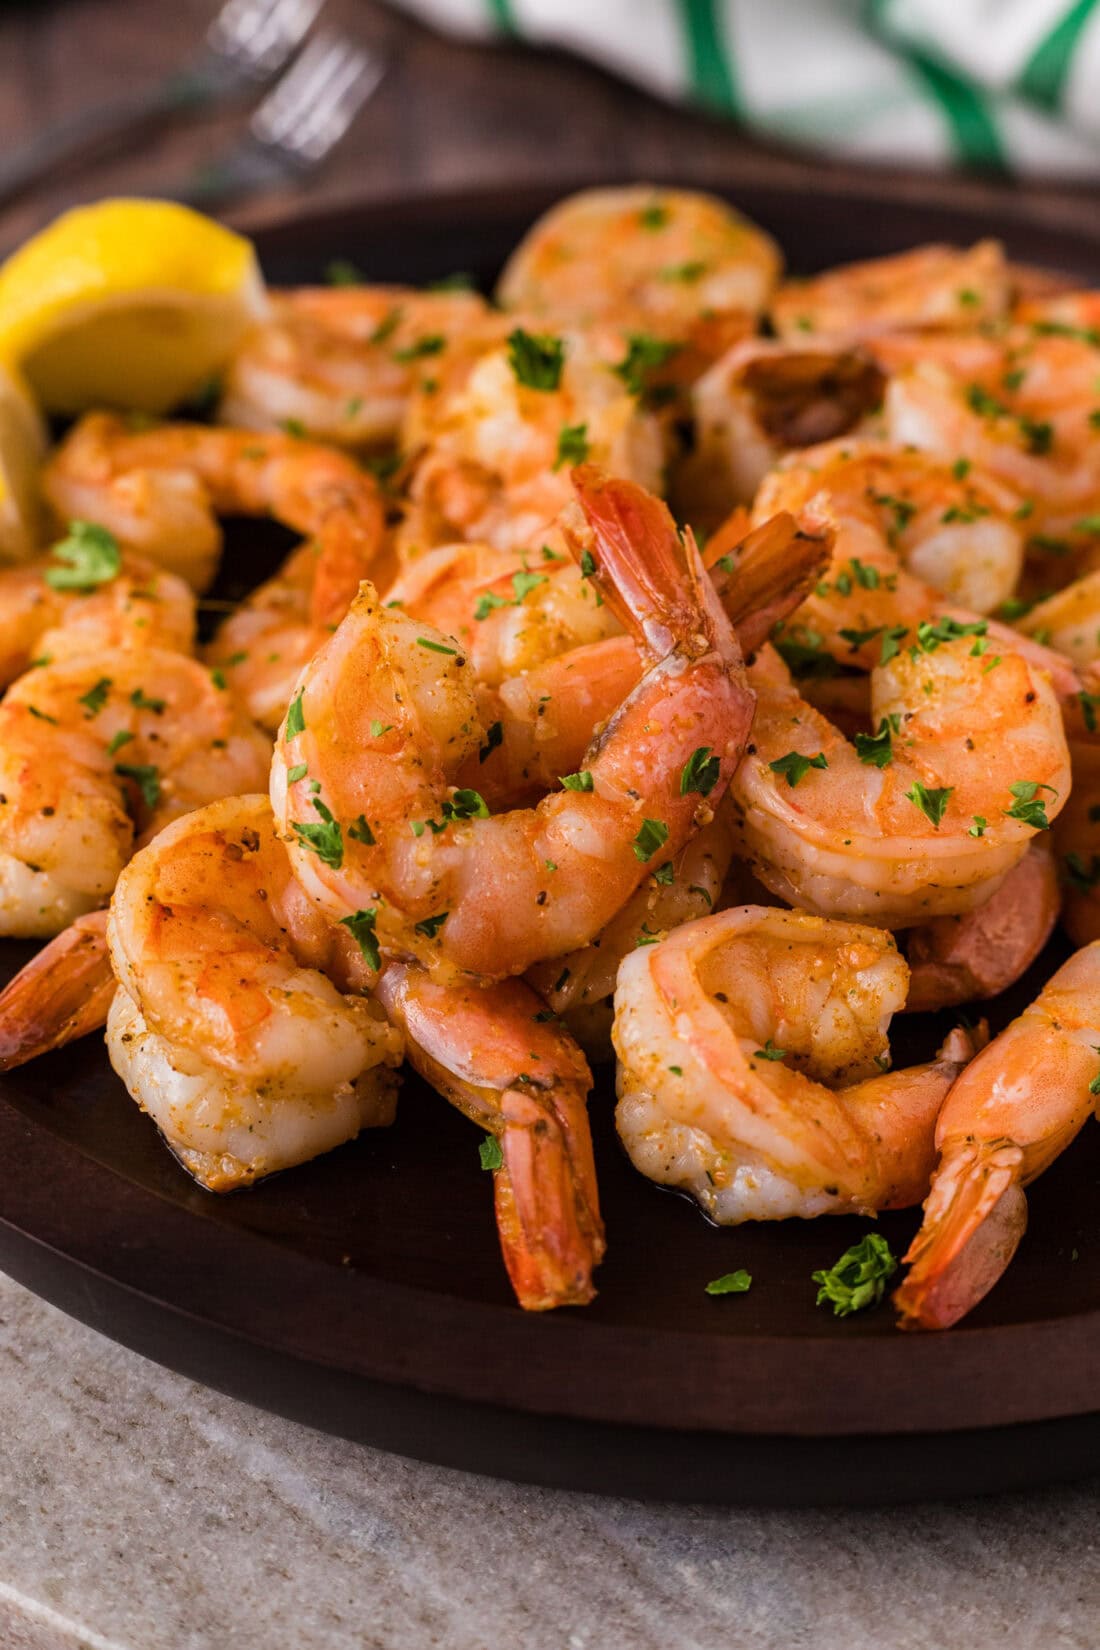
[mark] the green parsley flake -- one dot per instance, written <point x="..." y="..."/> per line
<point x="324" y="839"/>
<point x="794" y="766"/>
<point x="145" y="776"/>
<point x="90" y="556"/>
<point x="431" y="925"/>
<point x="435" y="647"/>
<point x="536" y="359"/>
<point x="572" y="445"/>
<point x="769" y="1052"/>
<point x="298" y="771"/>
<point x="730" y="1283"/>
<point x="652" y="836"/>
<point x="360" y="831"/>
<point x="295" y="718"/>
<point x="1028" y="808"/>
<point x="494" y="736"/>
<point x="644" y="355"/>
<point x="361" y="927"/>
<point x="490" y="1154"/>
<point x="931" y="802"/>
<point x="700" y="773"/>
<point x="96" y="697"/>
<point x="859" y="1278"/>
<point x="432" y="344"/>
<point x="582" y="781"/>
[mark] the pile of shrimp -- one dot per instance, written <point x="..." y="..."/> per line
<point x="680" y="665"/>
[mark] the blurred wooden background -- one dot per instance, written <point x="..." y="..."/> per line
<point x="446" y="114"/>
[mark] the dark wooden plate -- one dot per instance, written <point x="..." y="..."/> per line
<point x="364" y="1293"/>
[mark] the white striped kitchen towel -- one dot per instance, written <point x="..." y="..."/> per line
<point x="1012" y="85"/>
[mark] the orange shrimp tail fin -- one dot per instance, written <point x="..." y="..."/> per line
<point x="64" y="992"/>
<point x="475" y="1046"/>
<point x="772" y="571"/>
<point x="974" y="1218"/>
<point x="651" y="576"/>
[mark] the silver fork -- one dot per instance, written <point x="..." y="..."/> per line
<point x="298" y="123"/>
<point x="247" y="44"/>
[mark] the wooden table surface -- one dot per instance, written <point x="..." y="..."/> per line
<point x="447" y="114"/>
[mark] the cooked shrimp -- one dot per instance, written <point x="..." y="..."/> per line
<point x="667" y="261"/>
<point x="227" y="1028"/>
<point x="95" y="750"/>
<point x="341" y="363"/>
<point x="46" y="612"/>
<point x="922" y="818"/>
<point x="160" y="490"/>
<point x="1069" y="620"/>
<point x="763" y="398"/>
<point x="386" y="713"/>
<point x="753" y="1068"/>
<point x="497" y="1056"/>
<point x="1007" y="1118"/>
<point x="981" y="953"/>
<point x="941" y="287"/>
<point x="495" y="467"/>
<point x="949" y="525"/>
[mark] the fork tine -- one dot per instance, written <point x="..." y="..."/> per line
<point x="317" y="99"/>
<point x="260" y="35"/>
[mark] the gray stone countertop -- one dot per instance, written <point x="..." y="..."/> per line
<point x="139" y="1511"/>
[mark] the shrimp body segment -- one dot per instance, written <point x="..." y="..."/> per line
<point x="98" y="750"/>
<point x="160" y="491"/>
<point x="945" y="288"/>
<point x="227" y="1026"/>
<point x="1007" y="1118"/>
<point x="753" y="1060"/>
<point x="925" y="822"/>
<point x="387" y="713"/>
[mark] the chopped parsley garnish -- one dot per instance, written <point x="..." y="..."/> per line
<point x="795" y="766"/>
<point x="1080" y="876"/>
<point x="490" y="1154"/>
<point x="141" y="701"/>
<point x="654" y="216"/>
<point x="523" y="583"/>
<point x="377" y="729"/>
<point x="431" y="344"/>
<point x="693" y="270"/>
<point x="651" y="837"/>
<point x="467" y="804"/>
<point x="293" y="427"/>
<point x="769" y="1052"/>
<point x="984" y="404"/>
<point x="664" y="874"/>
<point x="360" y="831"/>
<point x="360" y="925"/>
<point x="858" y="638"/>
<point x="644" y="355"/>
<point x="431" y="925"/>
<point x="730" y="1283"/>
<point x="1038" y="436"/>
<point x="90" y="556"/>
<point x="1014" y="607"/>
<point x="536" y="359"/>
<point x="295" y="718"/>
<point x="979" y="826"/>
<point x="859" y="1278"/>
<point x="700" y="772"/>
<point x="435" y="647"/>
<point x="324" y="839"/>
<point x="1088" y="703"/>
<point x="96" y="697"/>
<point x="145" y="776"/>
<point x="1028" y="807"/>
<point x="891" y="643"/>
<point x="572" y="445"/>
<point x="298" y="771"/>
<point x="876" y="750"/>
<point x="41" y="715"/>
<point x="117" y="740"/>
<point x="931" y="802"/>
<point x="804" y="656"/>
<point x="930" y="634"/>
<point x="582" y="781"/>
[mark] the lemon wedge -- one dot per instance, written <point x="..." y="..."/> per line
<point x="22" y="446"/>
<point x="133" y="304"/>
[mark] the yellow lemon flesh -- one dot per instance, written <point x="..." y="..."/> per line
<point x="133" y="304"/>
<point x="22" y="446"/>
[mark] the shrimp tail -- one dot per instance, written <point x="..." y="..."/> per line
<point x="520" y="1077"/>
<point x="974" y="1218"/>
<point x="772" y="571"/>
<point x="63" y="993"/>
<point x="651" y="576"/>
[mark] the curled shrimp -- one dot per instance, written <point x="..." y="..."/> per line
<point x="951" y="527"/>
<point x="95" y="751"/>
<point x="160" y="491"/>
<point x="139" y="605"/>
<point x="1014" y="1110"/>
<point x="922" y="818"/>
<point x="502" y="1060"/>
<point x="753" y="1068"/>
<point x="664" y="261"/>
<point x="492" y="467"/>
<point x="227" y="1027"/>
<point x="342" y="362"/>
<point x="941" y="287"/>
<point x="762" y="399"/>
<point x="63" y="993"/>
<point x="386" y="714"/>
